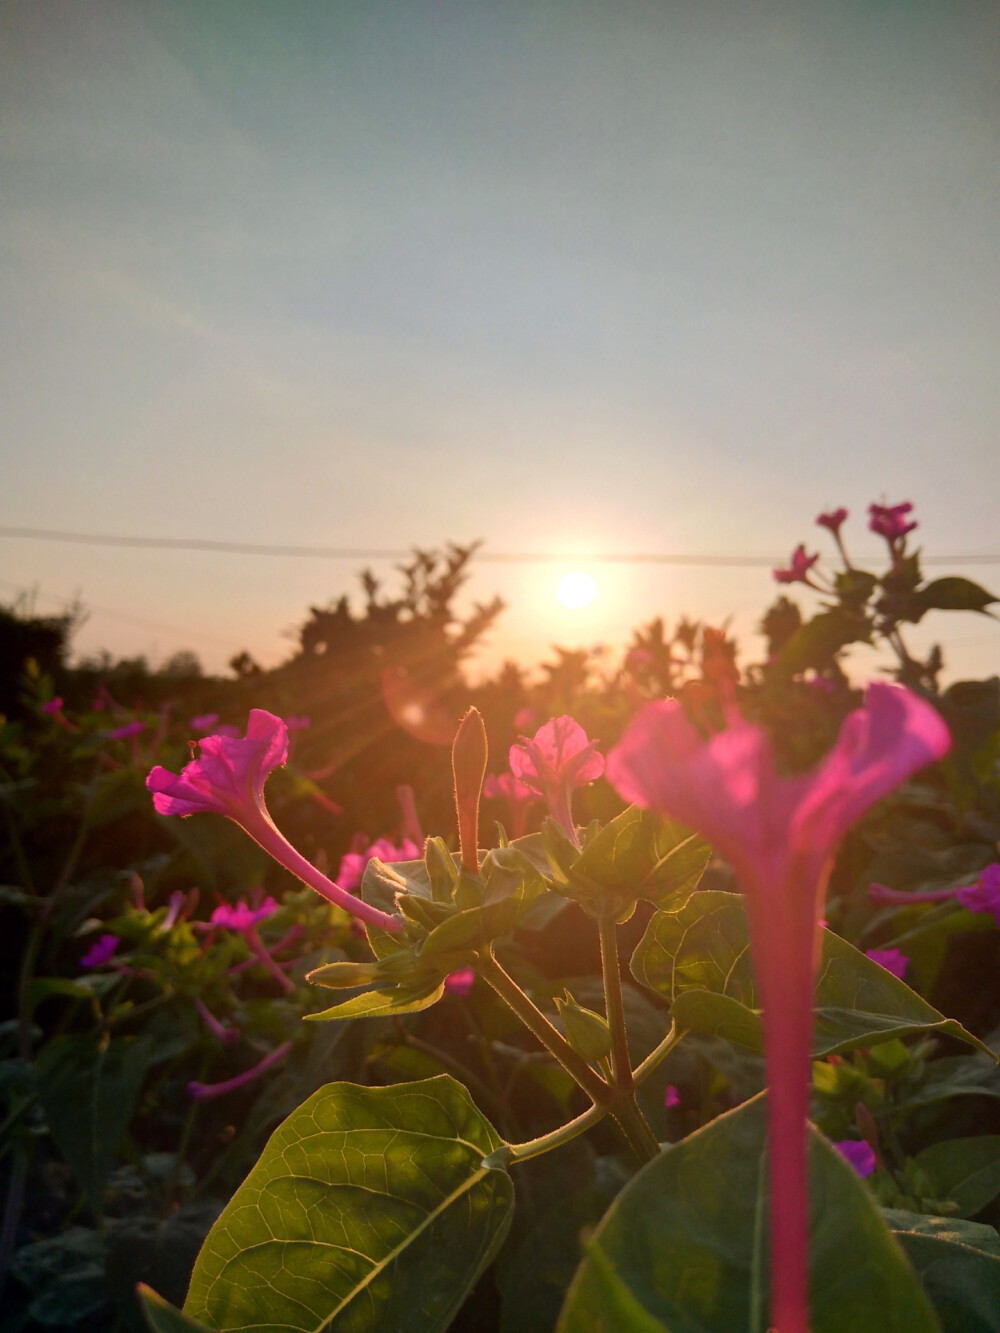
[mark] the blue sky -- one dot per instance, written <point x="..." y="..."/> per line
<point x="617" y="277"/>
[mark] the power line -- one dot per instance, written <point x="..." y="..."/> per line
<point x="482" y="556"/>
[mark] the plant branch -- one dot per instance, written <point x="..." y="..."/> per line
<point x="614" y="1006"/>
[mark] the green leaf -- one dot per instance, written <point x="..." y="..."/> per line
<point x="951" y="594"/>
<point x="959" y="1268"/>
<point x="817" y="642"/>
<point x="88" y="1093"/>
<point x="685" y="1242"/>
<point x="966" y="1171"/>
<point x="698" y="957"/>
<point x="161" y="1316"/>
<point x="369" y="1210"/>
<point x="385" y="1001"/>
<point x="638" y="855"/>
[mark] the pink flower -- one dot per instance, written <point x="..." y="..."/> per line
<point x="858" y="1153"/>
<point x="132" y="728"/>
<point x="460" y="982"/>
<point x="833" y="520"/>
<point x="518" y="795"/>
<point x="798" y="568"/>
<point x="558" y="759"/>
<point x="100" y="952"/>
<point x="780" y="834"/>
<point x="671" y="1097"/>
<point x="241" y="916"/>
<point x="53" y="705"/>
<point x="352" y="864"/>
<point x="203" y="722"/>
<point x="228" y="779"/>
<point x="983" y="896"/>
<point x="889" y="521"/>
<point x="202" y="1092"/>
<point x="524" y="719"/>
<point x="298" y="722"/>
<point x="175" y="906"/>
<point x="891" y="959"/>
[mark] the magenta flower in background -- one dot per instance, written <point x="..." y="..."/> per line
<point x="556" y="760"/>
<point x="203" y="722"/>
<point x="518" y="795"/>
<point x="460" y="982"/>
<point x="780" y="835"/>
<point x="228" y="779"/>
<point x="298" y="722"/>
<point x="858" y="1153"/>
<point x="834" y="520"/>
<point x="130" y="729"/>
<point x="352" y="864"/>
<point x="53" y="705"/>
<point x="798" y="567"/>
<point x="889" y="521"/>
<point x="175" y="906"/>
<point x="240" y="915"/>
<point x="983" y="896"/>
<point x="891" y="959"/>
<point x="217" y="1029"/>
<point x="100" y="952"/>
<point x="524" y="719"/>
<point x="671" y="1097"/>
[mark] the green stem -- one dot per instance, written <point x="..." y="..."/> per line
<point x="533" y="1019"/>
<point x="636" y="1129"/>
<point x="523" y="1152"/>
<point x="657" y="1054"/>
<point x="614" y="1005"/>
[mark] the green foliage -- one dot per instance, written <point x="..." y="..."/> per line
<point x="369" y="1209"/>
<point x="958" y="1264"/>
<point x="698" y="957"/>
<point x="684" y="1244"/>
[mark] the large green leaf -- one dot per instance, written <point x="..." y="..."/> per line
<point x="951" y="594"/>
<point x="385" y="1001"/>
<point x="698" y="957"/>
<point x="958" y="1264"/>
<point x="88" y="1092"/>
<point x="966" y="1171"/>
<point x="161" y="1317"/>
<point x="368" y="1210"/>
<point x="638" y="855"/>
<point x="685" y="1245"/>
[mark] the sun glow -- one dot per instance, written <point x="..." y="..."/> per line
<point x="576" y="590"/>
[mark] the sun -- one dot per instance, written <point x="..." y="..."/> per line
<point x="576" y="590"/>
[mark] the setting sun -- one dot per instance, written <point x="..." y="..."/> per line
<point x="576" y="590"/>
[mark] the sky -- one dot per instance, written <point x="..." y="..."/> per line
<point x="564" y="277"/>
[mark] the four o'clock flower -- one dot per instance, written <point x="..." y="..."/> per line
<point x="244" y="918"/>
<point x="890" y="521"/>
<point x="893" y="960"/>
<point x="228" y="779"/>
<point x="352" y="864"/>
<point x="834" y="520"/>
<point x="780" y="835"/>
<point x="798" y="567"/>
<point x="983" y="896"/>
<point x="558" y="758"/>
<point x="859" y="1154"/>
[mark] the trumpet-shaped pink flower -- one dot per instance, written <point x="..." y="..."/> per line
<point x="798" y="567"/>
<point x="834" y="520"/>
<point x="891" y="959"/>
<point x="298" y="722"/>
<point x="983" y="896"/>
<point x="780" y="834"/>
<point x="518" y="795"/>
<point x="556" y="760"/>
<point x="203" y="722"/>
<point x="228" y="779"/>
<point x="352" y="864"/>
<point x="858" y="1153"/>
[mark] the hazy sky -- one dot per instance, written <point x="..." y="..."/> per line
<point x="564" y="276"/>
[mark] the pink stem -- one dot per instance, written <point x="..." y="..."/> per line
<point x="259" y="826"/>
<point x="216" y="1028"/>
<point x="783" y="951"/>
<point x="257" y="945"/>
<point x="202" y="1092"/>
